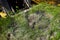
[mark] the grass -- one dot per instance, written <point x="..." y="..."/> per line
<point x="53" y="32"/>
<point x="48" y="27"/>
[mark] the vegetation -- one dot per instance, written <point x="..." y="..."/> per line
<point x="45" y="27"/>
